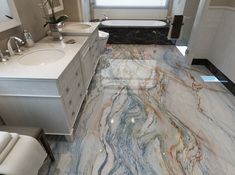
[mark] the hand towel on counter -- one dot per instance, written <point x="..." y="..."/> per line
<point x="9" y="146"/>
<point x="5" y="138"/>
<point x="25" y="158"/>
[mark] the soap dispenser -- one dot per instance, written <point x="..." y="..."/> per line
<point x="28" y="39"/>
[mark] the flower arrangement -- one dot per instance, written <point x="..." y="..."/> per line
<point x="52" y="19"/>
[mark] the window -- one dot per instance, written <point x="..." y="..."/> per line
<point x="132" y="3"/>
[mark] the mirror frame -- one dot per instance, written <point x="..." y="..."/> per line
<point x="56" y="9"/>
<point x="13" y="22"/>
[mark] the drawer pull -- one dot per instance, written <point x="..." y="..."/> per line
<point x="79" y="85"/>
<point x="70" y="102"/>
<point x="73" y="113"/>
<point x="67" y="89"/>
<point x="76" y="73"/>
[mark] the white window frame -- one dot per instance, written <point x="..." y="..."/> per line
<point x="130" y="7"/>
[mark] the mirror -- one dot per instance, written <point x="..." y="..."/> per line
<point x="58" y="6"/>
<point x="9" y="17"/>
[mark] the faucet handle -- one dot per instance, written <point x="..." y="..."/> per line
<point x="18" y="50"/>
<point x="1" y="54"/>
<point x="2" y="57"/>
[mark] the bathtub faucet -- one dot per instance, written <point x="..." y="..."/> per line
<point x="168" y="19"/>
<point x="103" y="17"/>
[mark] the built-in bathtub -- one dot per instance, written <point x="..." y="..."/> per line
<point x="133" y="23"/>
<point x="136" y="31"/>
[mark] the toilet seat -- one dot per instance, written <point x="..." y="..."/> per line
<point x="103" y="35"/>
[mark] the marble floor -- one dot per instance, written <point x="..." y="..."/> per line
<point x="148" y="113"/>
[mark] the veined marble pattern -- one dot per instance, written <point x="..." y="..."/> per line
<point x="148" y="113"/>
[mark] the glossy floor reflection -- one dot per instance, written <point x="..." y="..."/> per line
<point x="148" y="113"/>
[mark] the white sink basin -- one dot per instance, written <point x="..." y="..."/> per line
<point x="41" y="57"/>
<point x="76" y="26"/>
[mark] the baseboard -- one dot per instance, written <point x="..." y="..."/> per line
<point x="216" y="72"/>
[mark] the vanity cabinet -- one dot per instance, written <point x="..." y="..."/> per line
<point x="90" y="58"/>
<point x="51" y="104"/>
<point x="72" y="89"/>
<point x="87" y="66"/>
<point x="94" y="49"/>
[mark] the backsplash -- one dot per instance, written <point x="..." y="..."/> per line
<point x="31" y="16"/>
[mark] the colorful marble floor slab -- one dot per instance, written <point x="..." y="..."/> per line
<point x="149" y="113"/>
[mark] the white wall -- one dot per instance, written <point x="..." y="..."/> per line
<point x="222" y="52"/>
<point x="178" y="7"/>
<point x="206" y="33"/>
<point x="215" y="39"/>
<point x="190" y="11"/>
<point x="130" y="13"/>
<point x="195" y="48"/>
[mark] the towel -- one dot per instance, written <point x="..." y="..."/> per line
<point x="8" y="148"/>
<point x="25" y="158"/>
<point x="5" y="138"/>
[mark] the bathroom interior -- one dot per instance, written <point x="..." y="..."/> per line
<point x="124" y="87"/>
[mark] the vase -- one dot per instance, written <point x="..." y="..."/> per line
<point x="56" y="31"/>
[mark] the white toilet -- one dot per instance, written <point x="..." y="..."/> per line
<point x="103" y="39"/>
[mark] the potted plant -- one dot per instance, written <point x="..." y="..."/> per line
<point x="55" y="23"/>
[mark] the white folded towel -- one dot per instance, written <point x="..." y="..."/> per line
<point x="25" y="158"/>
<point x="10" y="145"/>
<point x="5" y="138"/>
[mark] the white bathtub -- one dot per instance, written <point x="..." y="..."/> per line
<point x="133" y="23"/>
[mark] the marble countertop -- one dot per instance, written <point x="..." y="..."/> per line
<point x="14" y="70"/>
<point x="70" y="28"/>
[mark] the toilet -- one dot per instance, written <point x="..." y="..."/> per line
<point x="103" y="39"/>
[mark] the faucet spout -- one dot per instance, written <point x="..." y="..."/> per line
<point x="9" y="46"/>
<point x="103" y="17"/>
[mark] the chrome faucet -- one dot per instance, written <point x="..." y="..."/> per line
<point x="168" y="19"/>
<point x="103" y="17"/>
<point x="9" y="46"/>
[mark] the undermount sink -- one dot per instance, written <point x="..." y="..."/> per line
<point x="77" y="26"/>
<point x="41" y="57"/>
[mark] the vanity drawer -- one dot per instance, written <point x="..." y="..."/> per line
<point x="87" y="68"/>
<point x="94" y="38"/>
<point x="69" y="77"/>
<point x="78" y="99"/>
<point x="73" y="85"/>
<point x="74" y="99"/>
<point x="28" y="87"/>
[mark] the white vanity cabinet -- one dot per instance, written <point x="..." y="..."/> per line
<point x="51" y="103"/>
<point x="87" y="66"/>
<point x="72" y="89"/>
<point x="94" y="48"/>
<point x="90" y="58"/>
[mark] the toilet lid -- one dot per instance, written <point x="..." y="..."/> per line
<point x="103" y="34"/>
